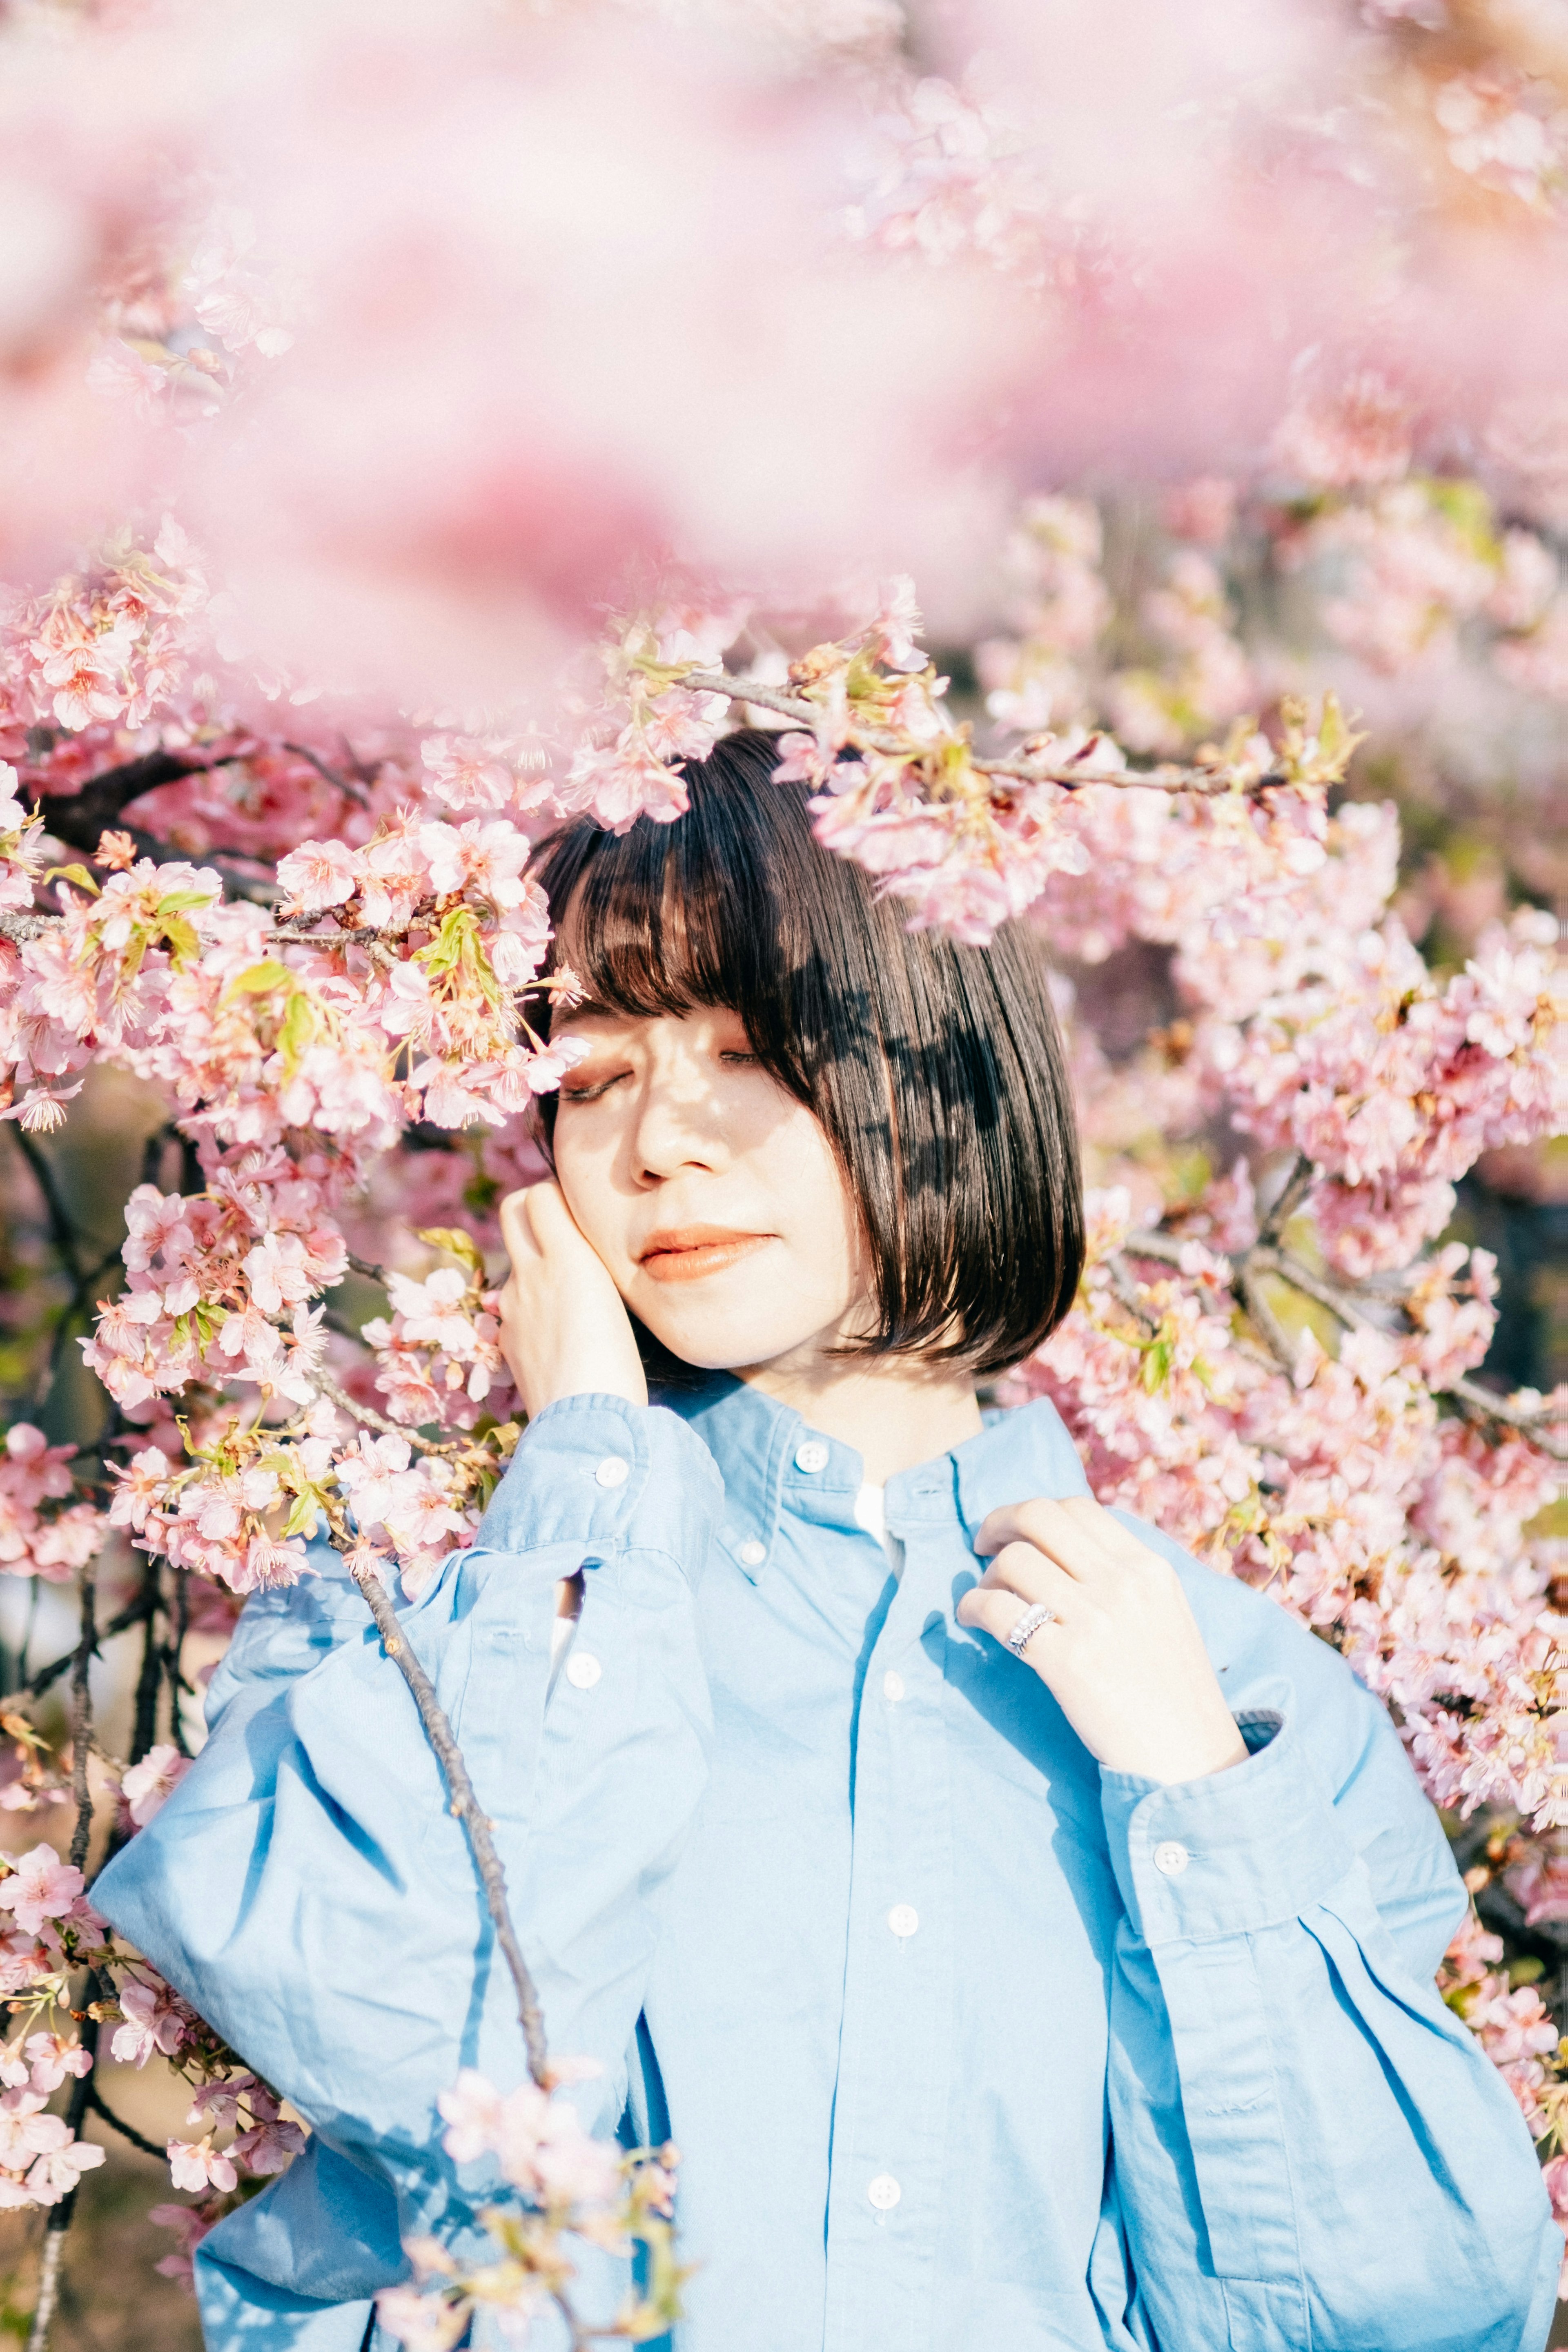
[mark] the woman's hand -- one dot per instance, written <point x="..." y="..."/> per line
<point x="563" y="1329"/>
<point x="1124" y="1657"/>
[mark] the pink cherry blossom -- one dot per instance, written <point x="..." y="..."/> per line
<point x="40" y="1888"/>
<point x="147" y="1786"/>
<point x="194" y="2165"/>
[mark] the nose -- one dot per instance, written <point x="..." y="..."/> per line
<point x="678" y="1125"/>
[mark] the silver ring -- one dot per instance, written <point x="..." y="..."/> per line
<point x="1028" y="1625"/>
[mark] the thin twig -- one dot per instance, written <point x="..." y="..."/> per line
<point x="62" y="2215"/>
<point x="20" y="924"/>
<point x="81" y="1715"/>
<point x="62" y="1230"/>
<point x="99" y="2105"/>
<point x="1126" y="1289"/>
<point x="145" y="1722"/>
<point x="173" y="1654"/>
<point x="374" y="1420"/>
<point x="466" y="1805"/>
<point x="1072" y="778"/>
<point x="47" y="1676"/>
<point x="1292" y="1192"/>
<point x="48" y="2283"/>
<point x="1264" y="1320"/>
<point x="340" y="784"/>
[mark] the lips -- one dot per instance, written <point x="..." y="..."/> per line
<point x="687" y="1253"/>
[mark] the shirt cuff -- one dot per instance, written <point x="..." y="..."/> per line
<point x="1237" y="1851"/>
<point x="604" y="1477"/>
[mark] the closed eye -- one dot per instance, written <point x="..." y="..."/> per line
<point x="593" y="1093"/>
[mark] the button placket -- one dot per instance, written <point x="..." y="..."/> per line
<point x="894" y="2085"/>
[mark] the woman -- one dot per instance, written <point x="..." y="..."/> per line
<point x="1026" y="1934"/>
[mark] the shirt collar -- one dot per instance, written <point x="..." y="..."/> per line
<point x="754" y="1440"/>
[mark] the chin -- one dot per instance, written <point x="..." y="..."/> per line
<point x="714" y="1339"/>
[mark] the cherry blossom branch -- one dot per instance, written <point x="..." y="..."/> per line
<point x="48" y="2283"/>
<point x="99" y="2105"/>
<point x="353" y="791"/>
<point x="47" y="1676"/>
<point x="1164" y="778"/>
<point x="1532" y="1422"/>
<point x="79" y="817"/>
<point x="62" y="1229"/>
<point x="81" y="1715"/>
<point x="466" y="1805"/>
<point x="1292" y="1192"/>
<point x="368" y="1414"/>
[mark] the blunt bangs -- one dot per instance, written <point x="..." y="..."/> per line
<point x="936" y="1069"/>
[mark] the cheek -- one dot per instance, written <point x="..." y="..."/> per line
<point x="583" y="1166"/>
<point x="817" y="1207"/>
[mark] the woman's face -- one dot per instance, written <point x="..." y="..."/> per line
<point x="711" y="1194"/>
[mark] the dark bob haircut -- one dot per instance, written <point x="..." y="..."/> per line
<point x="935" y="1069"/>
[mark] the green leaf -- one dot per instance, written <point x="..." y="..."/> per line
<point x="457" y="1245"/>
<point x="77" y="874"/>
<point x="179" y="902"/>
<point x="300" y="1028"/>
<point x="307" y="1510"/>
<point x="181" y="939"/>
<point x="259" y="978"/>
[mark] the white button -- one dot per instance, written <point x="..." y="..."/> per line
<point x="612" y="1471"/>
<point x="582" y="1669"/>
<point x="884" y="2192"/>
<point x="903" y="1919"/>
<point x="811" y="1455"/>
<point x="1171" y="1858"/>
<point x="752" y="1553"/>
<point x="892" y="1686"/>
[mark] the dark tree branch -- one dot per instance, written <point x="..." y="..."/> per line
<point x="62" y="2215"/>
<point x="173" y="1655"/>
<point x="79" y="817"/>
<point x="352" y="791"/>
<point x="81" y="1716"/>
<point x="62" y="1232"/>
<point x="99" y="2105"/>
<point x="466" y="1805"/>
<point x="149" y="1679"/>
<point x="47" y="1676"/>
<point x="1292" y="1192"/>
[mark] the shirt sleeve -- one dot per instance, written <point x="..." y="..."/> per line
<point x="1310" y="2149"/>
<point x="310" y="1892"/>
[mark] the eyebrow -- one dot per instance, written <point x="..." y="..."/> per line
<point x="588" y="1008"/>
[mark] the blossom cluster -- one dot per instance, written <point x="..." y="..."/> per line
<point x="51" y="1932"/>
<point x="563" y="2182"/>
<point x="36" y="1540"/>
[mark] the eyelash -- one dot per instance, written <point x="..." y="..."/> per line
<point x="593" y="1094"/>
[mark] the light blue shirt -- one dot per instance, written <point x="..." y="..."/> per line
<point x="968" y="2044"/>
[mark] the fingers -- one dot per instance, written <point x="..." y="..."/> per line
<point x="536" y="1221"/>
<point x="995" y="1612"/>
<point x="1078" y="1534"/>
<point x="1028" y="1576"/>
